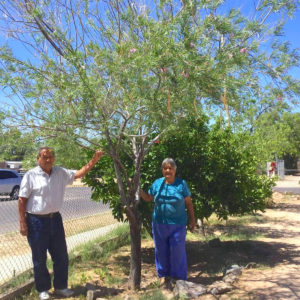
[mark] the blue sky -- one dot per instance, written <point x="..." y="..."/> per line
<point x="292" y="33"/>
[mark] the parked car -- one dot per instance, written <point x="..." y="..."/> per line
<point x="10" y="182"/>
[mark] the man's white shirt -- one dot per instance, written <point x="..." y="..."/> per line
<point x="45" y="193"/>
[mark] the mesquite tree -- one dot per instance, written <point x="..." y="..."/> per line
<point x="125" y="70"/>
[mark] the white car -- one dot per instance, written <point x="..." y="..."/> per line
<point x="10" y="182"/>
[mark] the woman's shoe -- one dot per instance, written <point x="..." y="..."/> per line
<point x="166" y="283"/>
<point x="173" y="280"/>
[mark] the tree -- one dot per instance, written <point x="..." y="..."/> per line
<point x="126" y="72"/>
<point x="23" y="147"/>
<point x="276" y="133"/>
<point x="14" y="145"/>
<point x="291" y="155"/>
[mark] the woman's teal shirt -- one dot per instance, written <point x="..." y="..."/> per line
<point x="169" y="201"/>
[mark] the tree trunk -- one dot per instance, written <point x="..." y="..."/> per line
<point x="201" y="226"/>
<point x="136" y="254"/>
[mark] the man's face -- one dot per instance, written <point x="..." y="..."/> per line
<point x="46" y="160"/>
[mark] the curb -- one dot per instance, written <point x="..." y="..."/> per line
<point x="19" y="291"/>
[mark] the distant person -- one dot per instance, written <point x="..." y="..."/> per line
<point x="171" y="196"/>
<point x="40" y="200"/>
<point x="272" y="169"/>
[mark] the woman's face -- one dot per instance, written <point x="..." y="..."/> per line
<point x="168" y="171"/>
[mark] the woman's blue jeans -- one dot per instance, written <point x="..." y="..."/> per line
<point x="48" y="234"/>
<point x="170" y="254"/>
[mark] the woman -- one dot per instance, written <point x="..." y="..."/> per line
<point x="171" y="196"/>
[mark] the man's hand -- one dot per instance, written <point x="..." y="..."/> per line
<point x="22" y="212"/>
<point x="84" y="170"/>
<point x="98" y="154"/>
<point x="23" y="228"/>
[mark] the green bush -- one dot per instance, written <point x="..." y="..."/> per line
<point x="219" y="166"/>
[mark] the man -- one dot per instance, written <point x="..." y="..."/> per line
<point x="40" y="199"/>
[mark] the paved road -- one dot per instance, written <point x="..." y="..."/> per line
<point x="77" y="204"/>
<point x="293" y="190"/>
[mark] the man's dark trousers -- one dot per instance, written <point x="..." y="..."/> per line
<point x="48" y="234"/>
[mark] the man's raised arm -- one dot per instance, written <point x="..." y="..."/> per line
<point x="84" y="170"/>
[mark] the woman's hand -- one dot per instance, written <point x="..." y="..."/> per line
<point x="147" y="197"/>
<point x="190" y="209"/>
<point x="192" y="225"/>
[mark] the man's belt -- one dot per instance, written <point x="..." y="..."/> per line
<point x="51" y="215"/>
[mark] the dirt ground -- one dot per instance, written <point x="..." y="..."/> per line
<point x="272" y="241"/>
<point x="282" y="234"/>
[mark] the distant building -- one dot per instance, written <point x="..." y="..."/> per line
<point x="8" y="164"/>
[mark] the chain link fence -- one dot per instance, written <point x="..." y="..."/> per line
<point x="84" y="220"/>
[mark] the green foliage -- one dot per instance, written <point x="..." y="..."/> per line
<point x="277" y="132"/>
<point x="14" y="145"/>
<point x="115" y="239"/>
<point x="102" y="272"/>
<point x="126" y="71"/>
<point x="156" y="295"/>
<point x="219" y="166"/>
<point x="90" y="81"/>
<point x="104" y="184"/>
<point x="16" y="282"/>
<point x="83" y="278"/>
<point x="67" y="153"/>
<point x="112" y="280"/>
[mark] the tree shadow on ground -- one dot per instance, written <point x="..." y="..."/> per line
<point x="266" y="231"/>
<point x="289" y="207"/>
<point x="103" y="291"/>
<point x="211" y="261"/>
<point x="206" y="264"/>
<point x="278" y="283"/>
<point x="202" y="258"/>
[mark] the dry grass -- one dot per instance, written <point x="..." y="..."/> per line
<point x="76" y="226"/>
<point x="13" y="244"/>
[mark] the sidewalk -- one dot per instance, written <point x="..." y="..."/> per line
<point x="289" y="181"/>
<point x="15" y="265"/>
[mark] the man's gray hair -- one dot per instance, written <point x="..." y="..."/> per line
<point x="39" y="154"/>
<point x="169" y="161"/>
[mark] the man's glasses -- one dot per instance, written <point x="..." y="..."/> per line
<point x="46" y="157"/>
